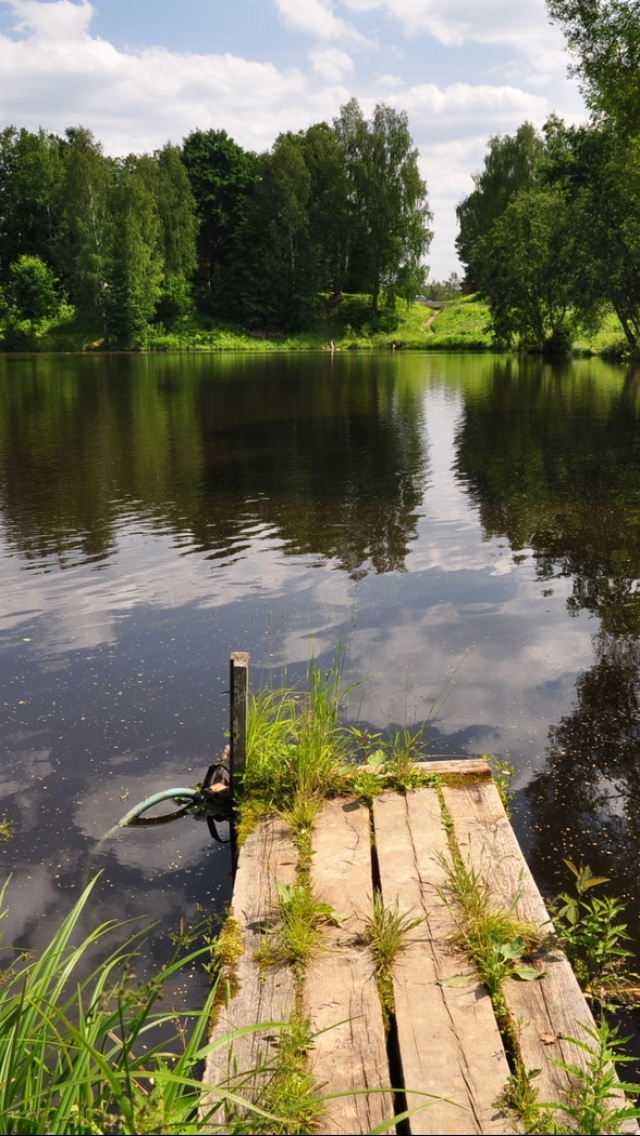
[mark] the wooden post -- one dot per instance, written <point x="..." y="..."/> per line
<point x="239" y="701"/>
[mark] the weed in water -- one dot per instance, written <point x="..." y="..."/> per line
<point x="590" y="933"/>
<point x="387" y="933"/>
<point x="596" y="1107"/>
<point x="502" y="772"/>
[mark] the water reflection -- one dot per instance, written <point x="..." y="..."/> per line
<point x="554" y="466"/>
<point x="324" y="459"/>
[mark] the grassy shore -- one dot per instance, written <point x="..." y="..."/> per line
<point x="344" y="325"/>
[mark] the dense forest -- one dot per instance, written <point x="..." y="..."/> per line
<point x="208" y="230"/>
<point x="550" y="235"/>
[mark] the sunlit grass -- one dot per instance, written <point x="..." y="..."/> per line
<point x="93" y="1055"/>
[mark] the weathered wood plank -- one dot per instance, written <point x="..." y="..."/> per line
<point x="449" y="1040"/>
<point x="467" y="766"/>
<point x="553" y="1007"/>
<point x="263" y="995"/>
<point x="340" y="994"/>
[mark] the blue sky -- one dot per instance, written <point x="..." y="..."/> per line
<point x="139" y="73"/>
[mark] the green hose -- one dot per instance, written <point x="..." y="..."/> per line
<point x="182" y="797"/>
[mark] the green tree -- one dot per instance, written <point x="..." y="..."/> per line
<point x="222" y="177"/>
<point x="135" y="264"/>
<point x="389" y="201"/>
<point x="167" y="180"/>
<point x="31" y="176"/>
<point x="511" y="164"/>
<point x="604" y="39"/>
<point x="529" y="271"/>
<point x="87" y="221"/>
<point x="165" y="176"/>
<point x="330" y="213"/>
<point x="600" y="179"/>
<point x="274" y="279"/>
<point x="33" y="289"/>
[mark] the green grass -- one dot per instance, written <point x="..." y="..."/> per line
<point x="93" y="1055"/>
<point x="296" y="750"/>
<point x="496" y="941"/>
<point x="347" y="322"/>
<point x="290" y="1096"/>
<point x="388" y="935"/>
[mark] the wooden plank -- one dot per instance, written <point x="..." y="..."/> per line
<point x="449" y="1040"/>
<point x="340" y="994"/>
<point x="454" y="766"/>
<point x="554" y="1006"/>
<point x="262" y="995"/>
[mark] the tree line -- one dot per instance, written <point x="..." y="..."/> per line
<point x="550" y="234"/>
<point x="208" y="230"/>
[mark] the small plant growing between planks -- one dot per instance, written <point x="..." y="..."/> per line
<point x="387" y="935"/>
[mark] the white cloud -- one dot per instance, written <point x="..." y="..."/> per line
<point x="465" y="102"/>
<point x="316" y="17"/>
<point x="59" y="75"/>
<point x="524" y="25"/>
<point x="331" y="63"/>
<point x="53" y="20"/>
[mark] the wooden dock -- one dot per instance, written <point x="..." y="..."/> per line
<point x="444" y="1051"/>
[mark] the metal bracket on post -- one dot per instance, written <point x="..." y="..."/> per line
<point x="239" y="707"/>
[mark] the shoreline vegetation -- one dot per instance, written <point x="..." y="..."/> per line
<point x="343" y="324"/>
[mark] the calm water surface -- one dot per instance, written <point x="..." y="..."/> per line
<point x="467" y="527"/>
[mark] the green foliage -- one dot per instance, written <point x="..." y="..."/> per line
<point x="222" y="177"/>
<point x="296" y="746"/>
<point x="589" y="930"/>
<point x="390" y="211"/>
<point x="33" y="290"/>
<point x="529" y="272"/>
<point x="85" y="1055"/>
<point x="604" y="39"/>
<point x="32" y="301"/>
<point x="135" y="268"/>
<point x="273" y="279"/>
<point x="86" y="221"/>
<point x="510" y="165"/>
<point x="496" y="941"/>
<point x="31" y="190"/>
<point x="593" y="1109"/>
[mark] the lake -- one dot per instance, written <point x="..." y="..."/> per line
<point x="465" y="528"/>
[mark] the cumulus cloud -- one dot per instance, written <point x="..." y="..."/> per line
<point x="331" y="63"/>
<point x="59" y="74"/>
<point x="316" y="17"/>
<point x="524" y="25"/>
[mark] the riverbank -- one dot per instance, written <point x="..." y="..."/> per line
<point x="347" y="325"/>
